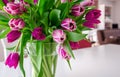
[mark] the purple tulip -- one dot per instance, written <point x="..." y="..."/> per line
<point x="16" y="24"/>
<point x="93" y="14"/>
<point x="13" y="35"/>
<point x="12" y="60"/>
<point x="37" y="34"/>
<point x="77" y="10"/>
<point x="7" y="1"/>
<point x="62" y="52"/>
<point x="59" y="36"/>
<point x="92" y="18"/>
<point x="90" y="23"/>
<point x="87" y="3"/>
<point x="68" y="24"/>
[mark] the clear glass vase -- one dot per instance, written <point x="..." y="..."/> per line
<point x="43" y="58"/>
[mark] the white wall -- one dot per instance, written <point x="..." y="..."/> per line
<point x="117" y="12"/>
<point x="102" y="4"/>
<point x="106" y="2"/>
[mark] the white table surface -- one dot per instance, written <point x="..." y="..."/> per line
<point x="101" y="61"/>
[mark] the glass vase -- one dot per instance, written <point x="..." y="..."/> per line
<point x="43" y="59"/>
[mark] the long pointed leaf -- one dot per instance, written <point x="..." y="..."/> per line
<point x="3" y="17"/>
<point x="69" y="64"/>
<point x="4" y="33"/>
<point x="77" y="36"/>
<point x="69" y="50"/>
<point x="1" y="4"/>
<point x="24" y="38"/>
<point x="55" y="16"/>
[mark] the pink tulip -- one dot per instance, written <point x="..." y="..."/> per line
<point x="87" y="3"/>
<point x="59" y="36"/>
<point x="16" y="24"/>
<point x="69" y="24"/>
<point x="13" y="8"/>
<point x="77" y="10"/>
<point x="62" y="52"/>
<point x="13" y="35"/>
<point x="38" y="34"/>
<point x="12" y="60"/>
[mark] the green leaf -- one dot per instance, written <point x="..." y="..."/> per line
<point x="78" y="1"/>
<point x="49" y="4"/>
<point x="1" y="4"/>
<point x="68" y="61"/>
<point x="3" y="18"/>
<point x="90" y="8"/>
<point x="4" y="23"/>
<point x="37" y="57"/>
<point x="21" y="62"/>
<point x="24" y="38"/>
<point x="39" y="48"/>
<point x="64" y="10"/>
<point x="69" y="50"/>
<point x="48" y="38"/>
<point x="12" y="48"/>
<point x="3" y="33"/>
<point x="44" y="21"/>
<point x="29" y="1"/>
<point x="41" y="4"/>
<point x="2" y="27"/>
<point x="55" y="16"/>
<point x="75" y="37"/>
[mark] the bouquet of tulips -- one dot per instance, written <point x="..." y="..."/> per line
<point x="45" y="21"/>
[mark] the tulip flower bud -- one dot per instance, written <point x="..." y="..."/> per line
<point x="37" y="34"/>
<point x="59" y="36"/>
<point x="12" y="60"/>
<point x="13" y="35"/>
<point x="62" y="52"/>
<point x="16" y="24"/>
<point x="68" y="24"/>
<point x="12" y="8"/>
